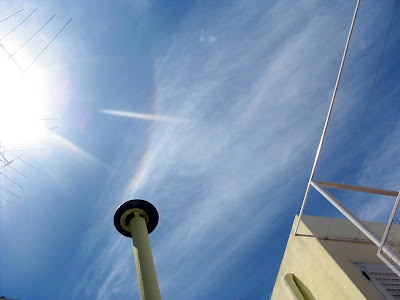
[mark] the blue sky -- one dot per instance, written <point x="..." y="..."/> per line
<point x="212" y="111"/>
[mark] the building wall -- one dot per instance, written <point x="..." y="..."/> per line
<point x="324" y="269"/>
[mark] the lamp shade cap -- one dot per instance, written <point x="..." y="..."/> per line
<point x="121" y="218"/>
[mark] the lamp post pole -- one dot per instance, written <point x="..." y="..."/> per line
<point x="137" y="218"/>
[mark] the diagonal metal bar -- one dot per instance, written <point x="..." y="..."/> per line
<point x="47" y="46"/>
<point x="13" y="181"/>
<point x="357" y="188"/>
<point x="15" y="170"/>
<point x="32" y="36"/>
<point x="9" y="192"/>
<point x="348" y="214"/>
<point x="18" y="25"/>
<point x="4" y="199"/>
<point x="11" y="16"/>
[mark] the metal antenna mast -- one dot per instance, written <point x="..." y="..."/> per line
<point x="10" y="161"/>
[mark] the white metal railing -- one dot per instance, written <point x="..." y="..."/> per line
<point x="389" y="245"/>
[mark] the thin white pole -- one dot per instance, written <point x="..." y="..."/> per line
<point x="145" y="269"/>
<point x="321" y="141"/>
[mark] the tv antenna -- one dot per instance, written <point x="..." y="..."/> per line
<point x="12" y="161"/>
<point x="11" y="55"/>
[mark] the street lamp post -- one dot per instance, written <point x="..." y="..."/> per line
<point x="137" y="219"/>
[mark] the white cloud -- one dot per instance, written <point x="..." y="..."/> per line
<point x="207" y="37"/>
<point x="212" y="39"/>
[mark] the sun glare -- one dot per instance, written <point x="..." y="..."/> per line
<point x="23" y="98"/>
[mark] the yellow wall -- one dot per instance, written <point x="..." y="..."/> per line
<point x="324" y="269"/>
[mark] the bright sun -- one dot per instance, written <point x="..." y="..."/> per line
<point x="23" y="98"/>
